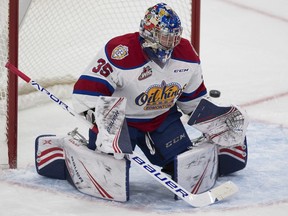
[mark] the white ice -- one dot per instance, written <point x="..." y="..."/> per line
<point x="244" y="53"/>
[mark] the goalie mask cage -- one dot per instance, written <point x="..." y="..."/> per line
<point x="53" y="42"/>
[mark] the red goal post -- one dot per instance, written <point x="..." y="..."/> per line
<point x="53" y="41"/>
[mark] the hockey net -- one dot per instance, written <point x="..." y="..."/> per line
<point x="57" y="40"/>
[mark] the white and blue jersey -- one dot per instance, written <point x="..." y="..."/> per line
<point x="121" y="69"/>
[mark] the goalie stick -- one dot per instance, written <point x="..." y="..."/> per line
<point x="51" y="96"/>
<point x="196" y="200"/>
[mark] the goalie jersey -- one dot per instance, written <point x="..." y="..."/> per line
<point x="122" y="69"/>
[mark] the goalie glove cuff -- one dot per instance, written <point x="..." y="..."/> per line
<point x="90" y="115"/>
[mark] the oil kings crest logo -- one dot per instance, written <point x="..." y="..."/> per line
<point x="159" y="96"/>
<point x="119" y="52"/>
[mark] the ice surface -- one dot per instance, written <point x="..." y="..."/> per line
<point x="244" y="54"/>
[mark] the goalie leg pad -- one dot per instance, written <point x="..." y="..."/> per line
<point x="197" y="169"/>
<point x="96" y="174"/>
<point x="232" y="159"/>
<point x="49" y="157"/>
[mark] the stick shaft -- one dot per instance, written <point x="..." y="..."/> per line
<point x="50" y="95"/>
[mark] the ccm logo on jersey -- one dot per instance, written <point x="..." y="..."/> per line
<point x="181" y="70"/>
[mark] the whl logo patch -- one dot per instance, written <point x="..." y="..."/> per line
<point x="147" y="72"/>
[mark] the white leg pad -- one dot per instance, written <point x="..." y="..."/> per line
<point x="196" y="169"/>
<point x="96" y="174"/>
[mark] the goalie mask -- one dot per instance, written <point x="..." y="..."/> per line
<point x="160" y="31"/>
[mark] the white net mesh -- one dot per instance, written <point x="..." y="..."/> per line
<point x="3" y="79"/>
<point x="58" y="38"/>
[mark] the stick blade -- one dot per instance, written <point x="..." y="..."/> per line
<point x="214" y="195"/>
<point x="223" y="191"/>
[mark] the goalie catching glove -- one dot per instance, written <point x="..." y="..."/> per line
<point x="225" y="126"/>
<point x="90" y="115"/>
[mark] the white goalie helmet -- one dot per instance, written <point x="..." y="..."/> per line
<point x="161" y="30"/>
